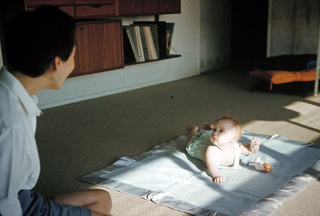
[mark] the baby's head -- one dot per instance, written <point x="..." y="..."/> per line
<point x="235" y="123"/>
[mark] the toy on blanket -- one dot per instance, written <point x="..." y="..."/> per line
<point x="262" y="165"/>
<point x="257" y="162"/>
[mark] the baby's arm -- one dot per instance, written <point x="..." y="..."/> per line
<point x="208" y="158"/>
<point x="252" y="148"/>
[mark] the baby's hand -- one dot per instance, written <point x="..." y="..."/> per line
<point x="219" y="179"/>
<point x="254" y="145"/>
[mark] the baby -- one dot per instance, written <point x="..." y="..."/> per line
<point x="218" y="146"/>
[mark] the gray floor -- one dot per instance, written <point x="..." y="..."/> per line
<point x="79" y="138"/>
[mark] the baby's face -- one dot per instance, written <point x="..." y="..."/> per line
<point x="224" y="133"/>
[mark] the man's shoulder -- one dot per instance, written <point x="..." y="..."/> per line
<point x="10" y="111"/>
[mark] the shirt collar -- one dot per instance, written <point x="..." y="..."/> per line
<point x="29" y="103"/>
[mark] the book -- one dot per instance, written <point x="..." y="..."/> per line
<point x="139" y="43"/>
<point x="159" y="38"/>
<point x="130" y="51"/>
<point x="154" y="32"/>
<point x="134" y="40"/>
<point x="144" y="43"/>
<point x="150" y="43"/>
<point x="133" y="43"/>
<point x="169" y="35"/>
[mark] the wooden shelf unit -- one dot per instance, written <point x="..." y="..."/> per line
<point x="99" y="46"/>
<point x="99" y="36"/>
<point x="166" y="58"/>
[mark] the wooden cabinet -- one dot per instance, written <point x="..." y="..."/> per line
<point x="99" y="46"/>
<point x="64" y="5"/>
<point x="99" y="41"/>
<point x="94" y="8"/>
<point x="33" y="3"/>
<point x="137" y="7"/>
<point x="110" y="8"/>
<point x="169" y="6"/>
<point x="93" y="2"/>
<point x="147" y="7"/>
<point x="80" y="9"/>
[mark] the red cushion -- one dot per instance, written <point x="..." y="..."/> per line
<point x="279" y="77"/>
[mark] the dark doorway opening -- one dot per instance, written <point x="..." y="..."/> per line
<point x="249" y="28"/>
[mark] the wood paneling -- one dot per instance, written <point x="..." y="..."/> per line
<point x="169" y="6"/>
<point x="129" y="7"/>
<point x="49" y="2"/>
<point x="88" y="2"/>
<point x="145" y="7"/>
<point x="67" y="9"/>
<point x="88" y="11"/>
<point x="99" y="47"/>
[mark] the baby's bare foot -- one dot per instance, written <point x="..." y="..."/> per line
<point x="192" y="128"/>
<point x="207" y="126"/>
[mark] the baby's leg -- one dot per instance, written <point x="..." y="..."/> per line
<point x="207" y="126"/>
<point x="192" y="131"/>
<point x="98" y="201"/>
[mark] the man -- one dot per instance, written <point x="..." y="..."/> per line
<point x="40" y="52"/>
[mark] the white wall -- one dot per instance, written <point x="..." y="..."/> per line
<point x="202" y="30"/>
<point x="293" y="27"/>
<point x="215" y="34"/>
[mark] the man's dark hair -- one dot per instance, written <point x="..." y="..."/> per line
<point x="36" y="37"/>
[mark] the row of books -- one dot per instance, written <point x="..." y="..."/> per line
<point x="147" y="41"/>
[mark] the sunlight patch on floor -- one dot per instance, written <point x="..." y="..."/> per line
<point x="305" y="126"/>
<point x="309" y="115"/>
<point x="288" y="129"/>
<point x="315" y="99"/>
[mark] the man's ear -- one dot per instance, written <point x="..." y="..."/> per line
<point x="56" y="63"/>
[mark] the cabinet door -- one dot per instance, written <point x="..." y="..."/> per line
<point x="169" y="6"/>
<point x="64" y="5"/>
<point x="89" y="11"/>
<point x="92" y="2"/>
<point x="149" y="6"/>
<point x="50" y="2"/>
<point x="137" y="7"/>
<point x="99" y="47"/>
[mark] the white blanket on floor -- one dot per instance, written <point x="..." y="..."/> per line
<point x="167" y="175"/>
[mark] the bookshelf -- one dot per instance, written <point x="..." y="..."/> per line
<point x="166" y="58"/>
<point x="147" y="41"/>
<point x="99" y="36"/>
